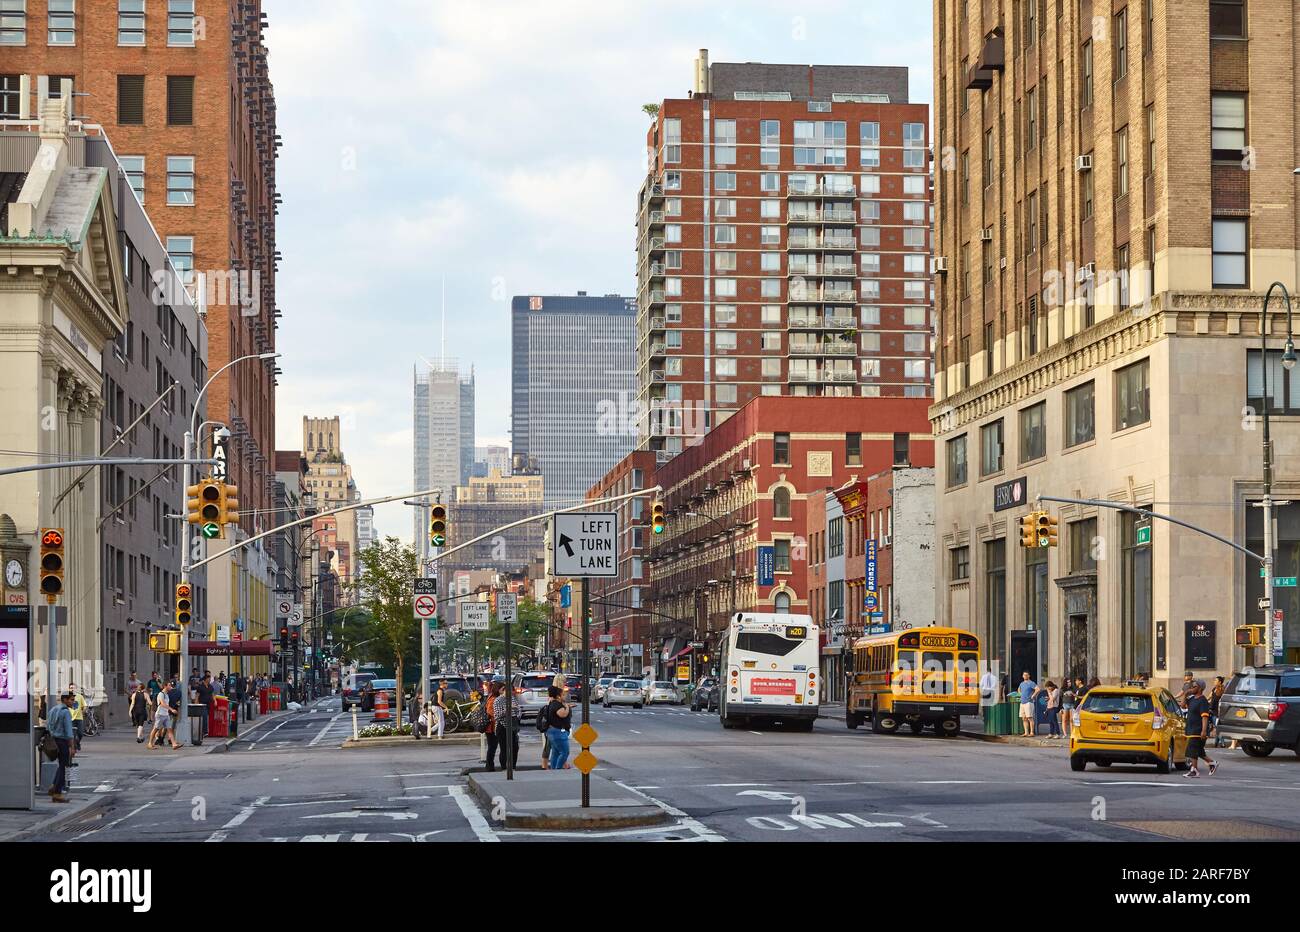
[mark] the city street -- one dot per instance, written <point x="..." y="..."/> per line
<point x="290" y="781"/>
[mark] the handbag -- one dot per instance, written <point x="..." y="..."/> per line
<point x="49" y="747"/>
<point x="478" y="719"/>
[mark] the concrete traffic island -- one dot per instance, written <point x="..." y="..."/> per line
<point x="548" y="799"/>
<point x="406" y="741"/>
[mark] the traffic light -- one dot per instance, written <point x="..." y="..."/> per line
<point x="657" y="517"/>
<point x="183" y="604"/>
<point x="1250" y="635"/>
<point x="51" y="563"/>
<point x="203" y="507"/>
<point x="1029" y="530"/>
<point x="229" y="503"/>
<point x="1046" y="530"/>
<point x="284" y="637"/>
<point x="293" y="639"/>
<point x="438" y="526"/>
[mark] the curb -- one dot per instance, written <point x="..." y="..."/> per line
<point x="94" y="804"/>
<point x="1002" y="739"/>
<point x="406" y="741"/>
<point x="225" y="744"/>
<point x="576" y="820"/>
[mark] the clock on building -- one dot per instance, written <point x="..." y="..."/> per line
<point x="13" y="574"/>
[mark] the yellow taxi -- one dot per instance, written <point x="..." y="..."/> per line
<point x="1129" y="724"/>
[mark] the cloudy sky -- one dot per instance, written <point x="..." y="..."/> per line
<point x="496" y="147"/>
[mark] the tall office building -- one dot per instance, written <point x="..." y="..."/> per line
<point x="444" y="429"/>
<point x="783" y="244"/>
<point x="1121" y="199"/>
<point x="573" y="382"/>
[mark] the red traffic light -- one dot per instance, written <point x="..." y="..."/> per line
<point x="52" y="538"/>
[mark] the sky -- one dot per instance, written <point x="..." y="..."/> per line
<point x="485" y="149"/>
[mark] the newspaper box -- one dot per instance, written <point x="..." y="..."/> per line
<point x="219" y="717"/>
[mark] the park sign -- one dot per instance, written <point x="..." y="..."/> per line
<point x="584" y="545"/>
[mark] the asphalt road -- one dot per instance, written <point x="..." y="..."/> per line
<point x="291" y="782"/>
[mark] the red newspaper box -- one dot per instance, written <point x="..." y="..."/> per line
<point x="274" y="699"/>
<point x="263" y="700"/>
<point x="219" y="717"/>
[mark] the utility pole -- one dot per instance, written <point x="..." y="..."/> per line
<point x="584" y="673"/>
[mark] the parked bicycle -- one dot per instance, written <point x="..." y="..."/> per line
<point x="90" y="722"/>
<point x="458" y="713"/>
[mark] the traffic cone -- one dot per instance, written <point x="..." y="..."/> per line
<point x="381" y="707"/>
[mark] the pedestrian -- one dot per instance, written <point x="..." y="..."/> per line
<point x="1053" y="710"/>
<point x="203" y="696"/>
<point x="139" y="709"/>
<point x="1028" y="690"/>
<point x="439" y="708"/>
<point x="162" y="712"/>
<point x="490" y="692"/>
<point x="174" y="701"/>
<point x="988" y="688"/>
<point x="1216" y="695"/>
<point x="557" y="714"/>
<point x="1067" y="708"/>
<point x="61" y="730"/>
<point x="1189" y="681"/>
<point x="506" y="718"/>
<point x="131" y="683"/>
<point x="155" y="686"/>
<point x="1198" y="729"/>
<point x="78" y="709"/>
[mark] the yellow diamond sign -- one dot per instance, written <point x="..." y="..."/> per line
<point x="586" y="761"/>
<point x="585" y="735"/>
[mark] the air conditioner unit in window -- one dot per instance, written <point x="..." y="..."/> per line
<point x="1086" y="272"/>
<point x="986" y="235"/>
<point x="885" y="540"/>
<point x="1002" y="263"/>
<point x="939" y="264"/>
<point x="1083" y="163"/>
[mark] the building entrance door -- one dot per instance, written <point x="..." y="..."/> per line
<point x="1076" y="646"/>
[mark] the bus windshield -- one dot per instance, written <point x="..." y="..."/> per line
<point x="762" y="642"/>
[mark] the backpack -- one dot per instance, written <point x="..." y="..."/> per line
<point x="544" y="719"/>
<point x="478" y="719"/>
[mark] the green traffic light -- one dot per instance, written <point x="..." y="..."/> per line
<point x="211" y="530"/>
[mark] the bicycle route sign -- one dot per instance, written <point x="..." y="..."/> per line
<point x="426" y="597"/>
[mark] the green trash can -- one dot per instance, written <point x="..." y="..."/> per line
<point x="1000" y="718"/>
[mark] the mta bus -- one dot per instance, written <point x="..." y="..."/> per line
<point x="914" y="677"/>
<point x="768" y="669"/>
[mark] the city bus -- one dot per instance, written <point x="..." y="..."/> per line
<point x="768" y="668"/>
<point x="914" y="677"/>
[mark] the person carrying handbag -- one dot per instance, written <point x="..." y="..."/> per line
<point x="507" y="728"/>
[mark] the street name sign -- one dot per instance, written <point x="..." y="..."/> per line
<point x="585" y="544"/>
<point x="474" y="616"/>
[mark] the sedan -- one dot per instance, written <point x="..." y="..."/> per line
<point x="598" y="691"/>
<point x="624" y="692"/>
<point x="705" y="696"/>
<point x="662" y="691"/>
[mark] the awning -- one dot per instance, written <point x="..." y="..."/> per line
<point x="681" y="653"/>
<point x="234" y="648"/>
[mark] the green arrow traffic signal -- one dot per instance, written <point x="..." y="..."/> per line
<point x="437" y="540"/>
<point x="210" y="530"/>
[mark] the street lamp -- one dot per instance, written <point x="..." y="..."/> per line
<point x="1288" y="363"/>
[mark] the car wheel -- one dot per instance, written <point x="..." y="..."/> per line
<point x="1167" y="764"/>
<point x="884" y="723"/>
<point x="1077" y="763"/>
<point x="1257" y="748"/>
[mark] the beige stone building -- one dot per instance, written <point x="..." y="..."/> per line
<point x="329" y="480"/>
<point x="1114" y="195"/>
<point x="62" y="300"/>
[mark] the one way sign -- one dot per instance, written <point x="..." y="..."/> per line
<point x="585" y="545"/>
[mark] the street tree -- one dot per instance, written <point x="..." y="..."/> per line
<point x="385" y="585"/>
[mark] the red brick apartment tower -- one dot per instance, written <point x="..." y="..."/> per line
<point x="783" y="243"/>
<point x="182" y="90"/>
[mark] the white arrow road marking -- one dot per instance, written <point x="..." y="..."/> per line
<point x="768" y="794"/>
<point x="358" y="814"/>
<point x="105" y="787"/>
<point x="313" y="802"/>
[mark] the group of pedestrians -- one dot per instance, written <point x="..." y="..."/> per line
<point x="503" y="724"/>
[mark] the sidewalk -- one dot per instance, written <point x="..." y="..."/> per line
<point x="548" y="799"/>
<point x="109" y="760"/>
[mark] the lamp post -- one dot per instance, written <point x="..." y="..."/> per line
<point x="185" y="484"/>
<point x="1288" y="363"/>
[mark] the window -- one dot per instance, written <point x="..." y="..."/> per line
<point x="722" y="313"/>
<point x="180" y="22"/>
<point x="1031" y="117"/>
<point x="770" y="181"/>
<point x="914" y="211"/>
<point x="1032" y="222"/>
<point x="180" y="100"/>
<point x="782" y="548"/>
<point x="1036" y="589"/>
<point x="724" y="340"/>
<point x="724" y="287"/>
<point x="1136" y="583"/>
<point x="673" y="207"/>
<point x="902" y="451"/>
<point x="1079" y="425"/>
<point x="1085" y="185"/>
<point x="913" y="184"/>
<point x="1121" y="162"/>
<point x="769" y="132"/>
<point x="871" y="367"/>
<point x="870" y="316"/>
<point x="781" y="449"/>
<point x="1085" y="74"/>
<point x="913" y="145"/>
<point x="1228" y="19"/>
<point x="769" y="209"/>
<point x="672" y="181"/>
<point x="770" y="313"/>
<point x="63" y="22"/>
<point x="1121" y="273"/>
<point x="180" y="180"/>
<point x="1151" y="140"/>
<point x="956" y="454"/>
<point x="1228" y="242"/>
<point x="988" y="157"/>
<point x="995" y="576"/>
<point x="1083" y="557"/>
<point x="672" y="141"/>
<point x="1033" y="434"/>
<point x="870" y="184"/>
<point x="870" y="211"/>
<point x="673" y="259"/>
<point x="724" y="394"/>
<point x="869" y="143"/>
<point x="781" y="502"/>
<point x="724" y="233"/>
<point x="959" y="560"/>
<point x="673" y="339"/>
<point x="1149" y="25"/>
<point x="724" y="142"/>
<point x="991" y="448"/>
<point x="1132" y="395"/>
<point x="1283" y="388"/>
<point x="724" y="181"/>
<point x="769" y="236"/>
<point x="835" y="537"/>
<point x="130" y="99"/>
<point x="180" y="249"/>
<point x="1121" y="44"/>
<point x="672" y="233"/>
<point x="13" y="22"/>
<point x="10" y="96"/>
<point x="673" y="287"/>
<point x="772" y="369"/>
<point x="853" y="449"/>
<point x="724" y="368"/>
<point x="724" y="207"/>
<point x="772" y="340"/>
<point x="673" y="313"/>
<point x="1031" y="21"/>
<point x="914" y="342"/>
<point x="1227" y="126"/>
<point x="870" y="262"/>
<point x="965" y="177"/>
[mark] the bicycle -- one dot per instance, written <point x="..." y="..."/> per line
<point x="90" y="723"/>
<point x="458" y="713"/>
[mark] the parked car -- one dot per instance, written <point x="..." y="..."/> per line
<point x="458" y="685"/>
<point x="705" y="696"/>
<point x="624" y="692"/>
<point x="574" y="682"/>
<point x="353" y="688"/>
<point x="531" y="691"/>
<point x="1261" y="710"/>
<point x="662" y="691"/>
<point x="598" y="691"/>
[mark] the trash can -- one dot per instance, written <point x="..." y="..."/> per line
<point x="1000" y="718"/>
<point x="196" y="723"/>
<point x="219" y="718"/>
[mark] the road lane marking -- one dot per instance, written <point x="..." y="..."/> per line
<point x="324" y="731"/>
<point x="475" y="818"/>
<point x="105" y="787"/>
<point x="432" y="773"/>
<point x="755" y="732"/>
<point x="264" y="735"/>
<point x="360" y="814"/>
<point x="115" y="822"/>
<point x="734" y="784"/>
<point x="694" y="825"/>
<point x="634" y="731"/>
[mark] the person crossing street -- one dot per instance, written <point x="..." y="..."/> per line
<point x="1199" y="727"/>
<point x="61" y="730"/>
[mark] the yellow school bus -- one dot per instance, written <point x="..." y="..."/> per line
<point x="914" y="677"/>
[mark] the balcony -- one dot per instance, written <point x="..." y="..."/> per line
<point x="824" y="269"/>
<point x="657" y="296"/>
<point x="656" y="244"/>
<point x="657" y="349"/>
<point x="837" y="243"/>
<point x="658" y="270"/>
<point x="827" y="322"/>
<point x="656" y="218"/>
<point x="822" y="190"/>
<point x="828" y="348"/>
<point x="657" y="375"/>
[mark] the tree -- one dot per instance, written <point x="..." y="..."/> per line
<point x="387" y="591"/>
<point x="530" y="622"/>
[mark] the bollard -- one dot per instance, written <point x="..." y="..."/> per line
<point x="355" y="733"/>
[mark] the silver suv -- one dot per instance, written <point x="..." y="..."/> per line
<point x="531" y="692"/>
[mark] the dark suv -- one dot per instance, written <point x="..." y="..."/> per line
<point x="1261" y="709"/>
